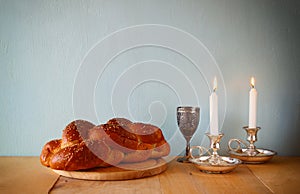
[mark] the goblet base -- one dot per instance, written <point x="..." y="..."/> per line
<point x="184" y="159"/>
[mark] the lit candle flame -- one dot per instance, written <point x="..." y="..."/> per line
<point x="215" y="84"/>
<point x="252" y="82"/>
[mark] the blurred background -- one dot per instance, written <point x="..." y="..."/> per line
<point x="45" y="44"/>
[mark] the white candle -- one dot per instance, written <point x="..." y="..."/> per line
<point x="252" y="104"/>
<point x="213" y="108"/>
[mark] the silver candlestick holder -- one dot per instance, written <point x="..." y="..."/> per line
<point x="212" y="162"/>
<point x="215" y="146"/>
<point x="248" y="153"/>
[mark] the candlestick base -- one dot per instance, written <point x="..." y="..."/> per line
<point x="249" y="154"/>
<point x="213" y="162"/>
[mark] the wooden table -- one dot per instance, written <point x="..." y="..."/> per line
<point x="280" y="175"/>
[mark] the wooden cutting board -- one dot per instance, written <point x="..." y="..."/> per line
<point x="122" y="172"/>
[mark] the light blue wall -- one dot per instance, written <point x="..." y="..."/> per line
<point x="44" y="45"/>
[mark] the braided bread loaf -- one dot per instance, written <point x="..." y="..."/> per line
<point x="84" y="145"/>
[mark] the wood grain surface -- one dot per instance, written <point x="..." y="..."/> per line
<point x="178" y="178"/>
<point x="25" y="175"/>
<point x="280" y="175"/>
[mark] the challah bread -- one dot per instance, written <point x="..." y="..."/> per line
<point x="71" y="152"/>
<point x="138" y="141"/>
<point x="48" y="150"/>
<point x="84" y="145"/>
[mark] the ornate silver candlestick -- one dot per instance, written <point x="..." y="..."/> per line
<point x="249" y="154"/>
<point x="215" y="146"/>
<point x="213" y="162"/>
<point x="251" y="137"/>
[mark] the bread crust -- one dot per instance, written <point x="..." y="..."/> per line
<point x="84" y="145"/>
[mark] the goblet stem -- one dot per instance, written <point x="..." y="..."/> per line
<point x="187" y="156"/>
<point x="187" y="149"/>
